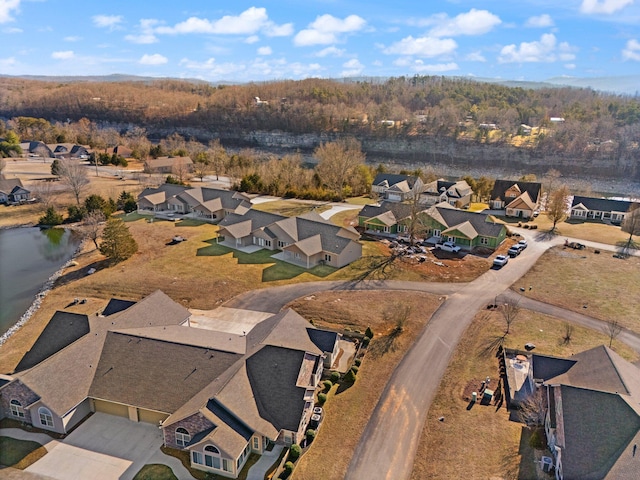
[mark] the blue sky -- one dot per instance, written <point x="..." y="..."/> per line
<point x="292" y="39"/>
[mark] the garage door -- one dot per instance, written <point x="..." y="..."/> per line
<point x="111" y="408"/>
<point x="149" y="416"/>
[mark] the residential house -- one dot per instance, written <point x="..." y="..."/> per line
<point x="590" y="208"/>
<point x="592" y="421"/>
<point x="306" y="240"/>
<point x="206" y="203"/>
<point x="69" y="150"/>
<point x="168" y="165"/>
<point x="12" y="191"/>
<point x="518" y="199"/>
<point x="386" y="219"/>
<point x="121" y="150"/>
<point x="36" y="148"/>
<point x="457" y="194"/>
<point x="468" y="230"/>
<point x="396" y="188"/>
<point x="439" y="223"/>
<point x="218" y="395"/>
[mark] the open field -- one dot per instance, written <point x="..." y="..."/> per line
<point x="481" y="442"/>
<point x="290" y="208"/>
<point x="597" y="285"/>
<point x="348" y="410"/>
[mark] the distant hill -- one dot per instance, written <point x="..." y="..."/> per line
<point x="627" y="84"/>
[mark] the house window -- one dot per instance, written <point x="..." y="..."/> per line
<point x="385" y="229"/>
<point x="327" y="257"/>
<point x="282" y="244"/>
<point x="197" y="457"/>
<point x="182" y="437"/>
<point x="436" y="232"/>
<point x="296" y="255"/>
<point x="212" y="457"/>
<point x="16" y="409"/>
<point x="256" y="443"/>
<point x="267" y="243"/>
<point x="46" y="418"/>
<point x="451" y="239"/>
<point x="226" y="465"/>
<point x="484" y="241"/>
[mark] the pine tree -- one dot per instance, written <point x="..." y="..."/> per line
<point x="117" y="242"/>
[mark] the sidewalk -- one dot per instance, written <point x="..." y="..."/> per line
<point x="260" y="468"/>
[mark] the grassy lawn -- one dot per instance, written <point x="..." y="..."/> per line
<point x="19" y="453"/>
<point x="597" y="285"/>
<point x="364" y="200"/>
<point x="291" y="208"/>
<point x="155" y="471"/>
<point x="346" y="218"/>
<point x="481" y="442"/>
<point x="478" y="207"/>
<point x="348" y="410"/>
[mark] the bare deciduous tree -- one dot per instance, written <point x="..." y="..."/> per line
<point x="568" y="333"/>
<point x="612" y="329"/>
<point x="74" y="175"/>
<point x="91" y="226"/>
<point x="533" y="410"/>
<point x="44" y="192"/>
<point x="509" y="311"/>
<point x="181" y="169"/>
<point x="337" y="161"/>
<point x="218" y="157"/>
<point x="631" y="225"/>
<point x="557" y="205"/>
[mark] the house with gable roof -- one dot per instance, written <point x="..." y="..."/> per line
<point x="306" y="240"/>
<point x="216" y="394"/>
<point x="590" y="208"/>
<point x="592" y="412"/>
<point x="457" y="194"/>
<point x="386" y="219"/>
<point x="518" y="199"/>
<point x="12" y="191"/>
<point x="395" y="187"/>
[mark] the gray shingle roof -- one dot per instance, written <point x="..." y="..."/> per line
<point x="501" y="186"/>
<point x="602" y="204"/>
<point x="273" y="373"/>
<point x="545" y="367"/>
<point x="258" y="219"/>
<point x="169" y="189"/>
<point x="63" y="329"/>
<point x="155" y="374"/>
<point x="116" y="305"/>
<point x="323" y="339"/>
<point x="399" y="210"/>
<point x="480" y="221"/>
<point x="393" y="178"/>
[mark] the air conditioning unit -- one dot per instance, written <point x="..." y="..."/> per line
<point x="546" y="463"/>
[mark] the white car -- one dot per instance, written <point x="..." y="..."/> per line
<point x="448" y="247"/>
<point x="522" y="244"/>
<point x="500" y="261"/>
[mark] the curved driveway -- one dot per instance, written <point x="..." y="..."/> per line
<point x="390" y="440"/>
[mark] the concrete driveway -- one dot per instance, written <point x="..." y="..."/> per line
<point x="103" y="447"/>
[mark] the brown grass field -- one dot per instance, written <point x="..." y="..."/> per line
<point x="481" y="442"/>
<point x="597" y="285"/>
<point x="348" y="411"/>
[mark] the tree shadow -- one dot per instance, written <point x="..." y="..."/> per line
<point x="82" y="272"/>
<point x="543" y="236"/>
<point x="491" y="345"/>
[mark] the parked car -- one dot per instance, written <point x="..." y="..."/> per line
<point x="500" y="261"/>
<point x="448" y="247"/>
<point x="523" y="244"/>
<point x="514" y="251"/>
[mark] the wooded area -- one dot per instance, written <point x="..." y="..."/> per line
<point x="460" y="109"/>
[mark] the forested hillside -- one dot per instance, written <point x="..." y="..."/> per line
<point x="594" y="125"/>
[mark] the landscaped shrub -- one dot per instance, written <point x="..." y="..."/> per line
<point x="51" y="217"/>
<point x="335" y="377"/>
<point x="288" y="470"/>
<point x="327" y="384"/>
<point x="357" y="361"/>
<point x="322" y="398"/>
<point x="294" y="452"/>
<point x="350" y="377"/>
<point x="365" y="341"/>
<point x="354" y="369"/>
<point x="368" y="333"/>
<point x="311" y="434"/>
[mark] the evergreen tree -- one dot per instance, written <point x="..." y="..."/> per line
<point x="51" y="217"/>
<point x="117" y="242"/>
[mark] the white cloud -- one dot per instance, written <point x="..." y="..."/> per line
<point x="475" y="57"/>
<point x="63" y="55"/>
<point x="6" y="63"/>
<point x="570" y="66"/>
<point x="248" y="22"/>
<point x="155" y="59"/>
<point x="419" y="66"/>
<point x="330" y="52"/>
<point x="603" y="6"/>
<point x="545" y="50"/>
<point x="12" y="29"/>
<point x="632" y="50"/>
<point x="146" y="35"/>
<point x="352" y="68"/>
<point x="422" y="46"/>
<point x="474" y="22"/>
<point x="252" y="39"/>
<point x="259" y="69"/>
<point x="7" y="8"/>
<point x="325" y="30"/>
<point x="265" y="51"/>
<point x="107" y="21"/>
<point x="539" y="21"/>
<point x="72" y="39"/>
